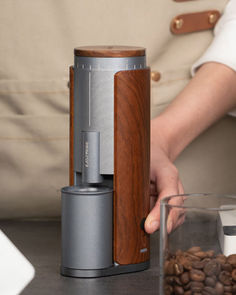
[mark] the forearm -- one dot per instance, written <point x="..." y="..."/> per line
<point x="209" y="95"/>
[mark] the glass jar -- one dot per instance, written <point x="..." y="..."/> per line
<point x="198" y="245"/>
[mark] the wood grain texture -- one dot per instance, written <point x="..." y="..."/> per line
<point x="194" y="22"/>
<point x="109" y="51"/>
<point x="71" y="132"/>
<point x="131" y="164"/>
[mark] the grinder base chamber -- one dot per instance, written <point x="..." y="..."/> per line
<point x="87" y="233"/>
<point x="104" y="208"/>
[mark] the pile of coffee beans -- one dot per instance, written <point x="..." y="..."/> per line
<point x="196" y="272"/>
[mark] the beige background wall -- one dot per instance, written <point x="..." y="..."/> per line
<point x="209" y="163"/>
<point x="36" y="48"/>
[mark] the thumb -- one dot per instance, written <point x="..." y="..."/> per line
<point x="152" y="222"/>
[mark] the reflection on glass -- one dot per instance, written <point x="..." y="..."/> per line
<point x="199" y="255"/>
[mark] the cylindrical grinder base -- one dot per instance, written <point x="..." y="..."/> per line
<point x="87" y="227"/>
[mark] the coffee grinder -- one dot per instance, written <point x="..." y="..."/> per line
<point x="104" y="208"/>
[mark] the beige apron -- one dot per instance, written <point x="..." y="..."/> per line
<point x="37" y="40"/>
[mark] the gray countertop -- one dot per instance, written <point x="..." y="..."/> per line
<point x="39" y="241"/>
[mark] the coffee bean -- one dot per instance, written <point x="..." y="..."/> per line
<point x="197" y="286"/>
<point x="200" y="264"/>
<point x="228" y="289"/>
<point x="170" y="280"/>
<point x="177" y="281"/>
<point x="178" y="253"/>
<point x="221" y="258"/>
<point x="188" y="286"/>
<point x="210" y="281"/>
<point x="219" y="288"/>
<point x="232" y="260"/>
<point x="168" y="290"/>
<point x="215" y="278"/>
<point x="210" y="253"/>
<point x="197" y="275"/>
<point x="166" y="264"/>
<point x="201" y="254"/>
<point x="194" y="249"/>
<point x="234" y="274"/>
<point x="206" y="260"/>
<point x="226" y="266"/>
<point x="213" y="267"/>
<point x="178" y="290"/>
<point x="169" y="267"/>
<point x="225" y="277"/>
<point x="196" y="272"/>
<point x="192" y="257"/>
<point x="167" y="255"/>
<point x="178" y="269"/>
<point x="185" y="278"/>
<point x="209" y="290"/>
<point x="185" y="261"/>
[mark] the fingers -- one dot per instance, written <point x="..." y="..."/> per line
<point x="175" y="213"/>
<point x="164" y="182"/>
<point x="181" y="188"/>
<point x="167" y="184"/>
<point x="153" y="189"/>
<point x="180" y="221"/>
<point x="153" y="194"/>
<point x="175" y="218"/>
<point x="153" y="200"/>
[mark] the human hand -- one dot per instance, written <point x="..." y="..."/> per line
<point x="213" y="87"/>
<point x="164" y="182"/>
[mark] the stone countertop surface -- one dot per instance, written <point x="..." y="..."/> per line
<point x="40" y="242"/>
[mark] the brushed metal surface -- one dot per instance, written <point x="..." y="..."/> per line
<point x="94" y="103"/>
<point x="86" y="227"/>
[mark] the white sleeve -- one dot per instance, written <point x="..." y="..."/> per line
<point x="223" y="47"/>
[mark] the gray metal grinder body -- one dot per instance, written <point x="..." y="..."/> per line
<point x="94" y="106"/>
<point x="87" y="227"/>
<point x="87" y="207"/>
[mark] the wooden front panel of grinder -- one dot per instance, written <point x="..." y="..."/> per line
<point x="131" y="165"/>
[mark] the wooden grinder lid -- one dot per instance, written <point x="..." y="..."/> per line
<point x="109" y="51"/>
